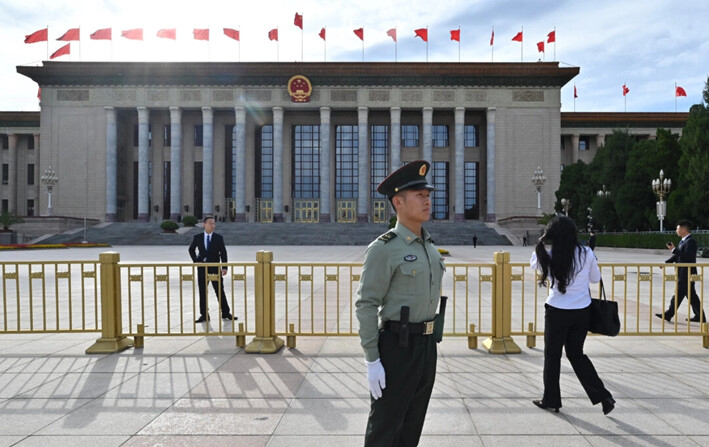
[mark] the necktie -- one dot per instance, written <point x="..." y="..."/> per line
<point x="209" y="237"/>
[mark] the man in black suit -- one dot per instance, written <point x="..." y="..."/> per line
<point x="210" y="248"/>
<point x="686" y="252"/>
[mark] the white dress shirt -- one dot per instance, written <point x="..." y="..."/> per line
<point x="577" y="293"/>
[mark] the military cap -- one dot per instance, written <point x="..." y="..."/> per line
<point x="410" y="176"/>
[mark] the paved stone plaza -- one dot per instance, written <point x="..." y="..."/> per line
<point x="184" y="391"/>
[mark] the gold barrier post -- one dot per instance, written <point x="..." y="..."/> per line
<point x="472" y="339"/>
<point x="265" y="341"/>
<point x="111" y="323"/>
<point x="501" y="341"/>
<point x="531" y="338"/>
<point x="705" y="335"/>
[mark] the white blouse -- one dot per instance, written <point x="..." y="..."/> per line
<point x="577" y="293"/>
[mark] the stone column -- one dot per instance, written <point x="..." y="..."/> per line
<point x="143" y="158"/>
<point x="574" y="148"/>
<point x="490" y="160"/>
<point x="277" y="164"/>
<point x="175" y="163"/>
<point x="459" y="164"/>
<point x="12" y="173"/>
<point x="363" y="165"/>
<point x="207" y="161"/>
<point x="428" y="134"/>
<point x="395" y="117"/>
<point x="240" y="161"/>
<point x="325" y="164"/>
<point x="37" y="178"/>
<point x="111" y="165"/>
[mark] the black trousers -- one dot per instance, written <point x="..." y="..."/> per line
<point x="396" y="418"/>
<point x="681" y="294"/>
<point x="218" y="289"/>
<point x="568" y="328"/>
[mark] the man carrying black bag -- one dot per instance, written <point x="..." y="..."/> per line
<point x="398" y="297"/>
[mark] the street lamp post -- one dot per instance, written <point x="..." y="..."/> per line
<point x="661" y="187"/>
<point x="566" y="204"/>
<point x="589" y="216"/>
<point x="49" y="179"/>
<point x="538" y="180"/>
<point x="603" y="193"/>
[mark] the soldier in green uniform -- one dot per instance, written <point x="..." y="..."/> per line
<point x="398" y="297"/>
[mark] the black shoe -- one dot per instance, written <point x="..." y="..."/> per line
<point x="228" y="316"/>
<point x="202" y="319"/>
<point x="539" y="404"/>
<point x="608" y="405"/>
<point x="694" y="319"/>
<point x="665" y="317"/>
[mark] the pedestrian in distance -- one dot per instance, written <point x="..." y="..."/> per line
<point x="685" y="253"/>
<point x="397" y="300"/>
<point x="209" y="247"/>
<point x="570" y="268"/>
<point x="475" y="240"/>
<point x="592" y="240"/>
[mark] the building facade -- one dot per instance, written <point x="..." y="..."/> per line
<point x="298" y="142"/>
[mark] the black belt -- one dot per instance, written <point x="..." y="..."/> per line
<point x="425" y="328"/>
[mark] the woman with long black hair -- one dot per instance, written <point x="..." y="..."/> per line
<point x="570" y="268"/>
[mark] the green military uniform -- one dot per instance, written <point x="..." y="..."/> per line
<point x="400" y="269"/>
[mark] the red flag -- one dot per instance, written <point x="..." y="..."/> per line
<point x="61" y="51"/>
<point x="422" y="33"/>
<point x="72" y="34"/>
<point x="168" y="33"/>
<point x="518" y="37"/>
<point x="359" y="32"/>
<point x="298" y="20"/>
<point x="133" y="34"/>
<point x="201" y="33"/>
<point x="38" y="36"/>
<point x="392" y="33"/>
<point x="273" y="34"/>
<point x="626" y="90"/>
<point x="102" y="34"/>
<point x="540" y="46"/>
<point x="455" y="34"/>
<point x="551" y="37"/>
<point x="679" y="91"/>
<point x="322" y="34"/>
<point x="575" y="94"/>
<point x="492" y="37"/>
<point x="229" y="32"/>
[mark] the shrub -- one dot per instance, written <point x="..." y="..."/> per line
<point x="169" y="225"/>
<point x="8" y="219"/>
<point x="189" y="221"/>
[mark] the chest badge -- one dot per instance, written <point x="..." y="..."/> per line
<point x="410" y="258"/>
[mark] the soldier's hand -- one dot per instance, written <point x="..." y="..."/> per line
<point x="376" y="378"/>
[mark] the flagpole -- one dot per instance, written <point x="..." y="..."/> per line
<point x="362" y="44"/>
<point x="79" y="43"/>
<point x="492" y="45"/>
<point x="554" y="43"/>
<point x="458" y="43"/>
<point x="47" y="43"/>
<point x="301" y="40"/>
<point x="325" y="46"/>
<point x="278" y="48"/>
<point x="239" y="46"/>
<point x="625" y="98"/>
<point x="675" y="97"/>
<point x="574" y="97"/>
<point x="396" y="45"/>
<point x="521" y="47"/>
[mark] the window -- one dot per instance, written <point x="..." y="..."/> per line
<point x="470" y="196"/>
<point x="264" y="163"/>
<point x="409" y="135"/>
<point x="5" y="205"/>
<point x="440" y="136"/>
<point x="439" y="197"/>
<point x="306" y="162"/>
<point x="30" y="174"/>
<point x="470" y="136"/>
<point x="584" y="144"/>
<point x="346" y="162"/>
<point x="379" y="157"/>
<point x="30" y="207"/>
<point x="5" y="173"/>
<point x="136" y="135"/>
<point x="562" y="167"/>
<point x="563" y="144"/>
<point x="198" y="135"/>
<point x="30" y="142"/>
<point x="4" y="141"/>
<point x="166" y="131"/>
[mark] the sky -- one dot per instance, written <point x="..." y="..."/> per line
<point x="648" y="45"/>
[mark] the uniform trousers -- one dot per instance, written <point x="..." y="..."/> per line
<point x="218" y="289"/>
<point x="568" y="328"/>
<point x="396" y="418"/>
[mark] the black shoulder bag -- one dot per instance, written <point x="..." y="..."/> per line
<point x="604" y="316"/>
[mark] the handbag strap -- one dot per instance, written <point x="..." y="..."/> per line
<point x="603" y="292"/>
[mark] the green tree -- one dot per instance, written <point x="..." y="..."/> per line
<point x="575" y="187"/>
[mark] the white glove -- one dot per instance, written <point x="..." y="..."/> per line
<point x="376" y="378"/>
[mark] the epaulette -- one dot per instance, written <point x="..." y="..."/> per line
<point x="386" y="237"/>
